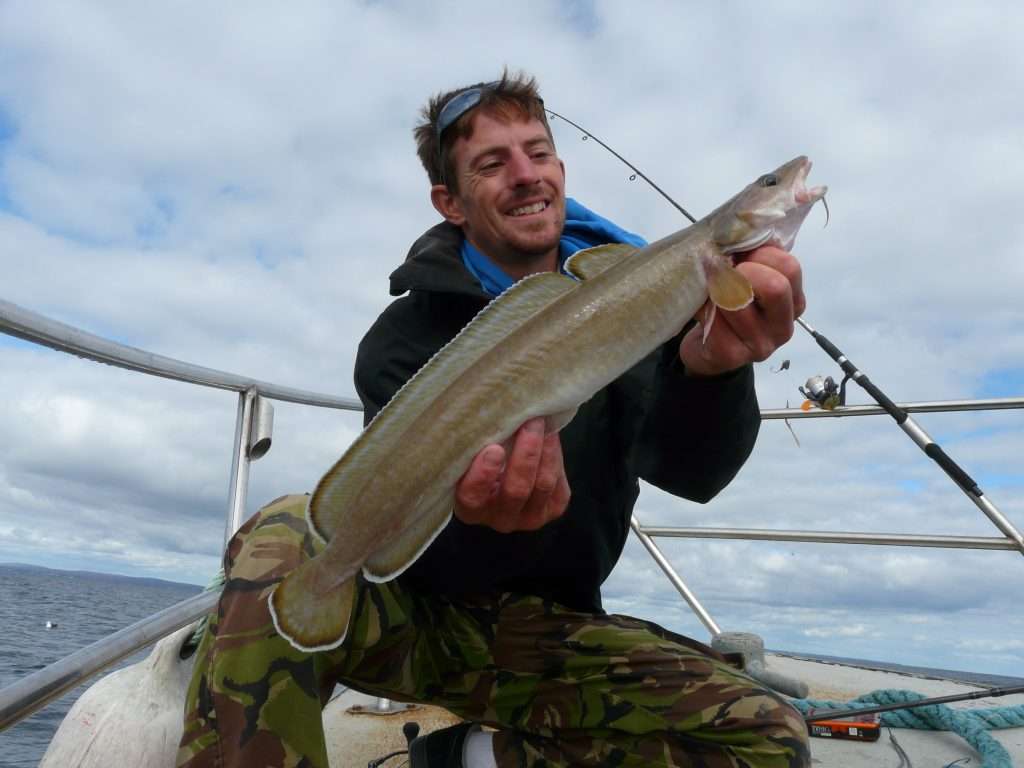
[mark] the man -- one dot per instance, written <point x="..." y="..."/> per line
<point x="500" y="620"/>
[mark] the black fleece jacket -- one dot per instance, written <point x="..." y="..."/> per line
<point x="688" y="436"/>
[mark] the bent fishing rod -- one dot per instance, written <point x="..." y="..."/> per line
<point x="921" y="438"/>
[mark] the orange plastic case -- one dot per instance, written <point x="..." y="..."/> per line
<point x="857" y="728"/>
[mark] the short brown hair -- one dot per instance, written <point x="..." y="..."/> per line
<point x="514" y="96"/>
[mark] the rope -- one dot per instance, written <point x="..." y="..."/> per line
<point x="970" y="724"/>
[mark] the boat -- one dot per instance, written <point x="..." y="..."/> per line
<point x="103" y="726"/>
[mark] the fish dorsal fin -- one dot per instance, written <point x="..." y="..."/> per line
<point x="591" y="262"/>
<point x="336" y="492"/>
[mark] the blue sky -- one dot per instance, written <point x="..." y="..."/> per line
<point x="233" y="188"/>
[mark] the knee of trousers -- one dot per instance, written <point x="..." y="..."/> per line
<point x="272" y="542"/>
<point x="781" y="730"/>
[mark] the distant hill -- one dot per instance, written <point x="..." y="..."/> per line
<point x="96" y="576"/>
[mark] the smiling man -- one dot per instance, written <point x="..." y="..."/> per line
<point x="500" y="620"/>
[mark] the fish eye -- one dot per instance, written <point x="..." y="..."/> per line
<point x="768" y="180"/>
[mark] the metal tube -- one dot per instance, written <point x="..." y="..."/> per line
<point x="21" y="699"/>
<point x="25" y="324"/>
<point x="674" y="577"/>
<point x="971" y="490"/>
<point x="921" y="438"/>
<point x="239" y="487"/>
<point x="833" y="537"/>
<point x="935" y="406"/>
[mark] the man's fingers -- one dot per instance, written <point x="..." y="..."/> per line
<point x="546" y="502"/>
<point x="551" y="467"/>
<point x="518" y="489"/>
<point x="767" y="323"/>
<point x="786" y="265"/>
<point x="478" y="486"/>
<point x="523" y="464"/>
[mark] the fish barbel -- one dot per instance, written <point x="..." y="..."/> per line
<point x="542" y="348"/>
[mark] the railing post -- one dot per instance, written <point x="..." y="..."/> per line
<point x="254" y="427"/>
<point x="674" y="577"/>
<point x="238" y="490"/>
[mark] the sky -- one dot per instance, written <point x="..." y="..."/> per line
<point x="231" y="185"/>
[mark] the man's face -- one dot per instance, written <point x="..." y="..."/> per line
<point x="511" y="198"/>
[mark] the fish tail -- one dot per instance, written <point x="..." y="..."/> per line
<point x="308" y="614"/>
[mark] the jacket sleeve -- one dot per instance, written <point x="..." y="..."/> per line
<point x="697" y="432"/>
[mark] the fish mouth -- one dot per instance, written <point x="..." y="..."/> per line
<point x="801" y="193"/>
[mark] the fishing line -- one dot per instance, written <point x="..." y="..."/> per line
<point x="636" y="171"/>
<point x="921" y="438"/>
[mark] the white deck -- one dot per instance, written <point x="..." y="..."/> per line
<point x="356" y="737"/>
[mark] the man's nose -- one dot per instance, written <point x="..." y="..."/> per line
<point x="522" y="169"/>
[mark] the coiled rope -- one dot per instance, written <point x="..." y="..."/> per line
<point x="972" y="725"/>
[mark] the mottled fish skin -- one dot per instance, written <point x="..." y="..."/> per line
<point x="391" y="493"/>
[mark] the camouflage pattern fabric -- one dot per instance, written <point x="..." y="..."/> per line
<point x="564" y="688"/>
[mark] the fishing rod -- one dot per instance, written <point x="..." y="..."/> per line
<point x="636" y="171"/>
<point x="835" y="714"/>
<point x="921" y="438"/>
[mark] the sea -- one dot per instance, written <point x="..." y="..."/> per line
<point x="84" y="607"/>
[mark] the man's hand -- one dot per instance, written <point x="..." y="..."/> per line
<point x="754" y="333"/>
<point x="520" y="491"/>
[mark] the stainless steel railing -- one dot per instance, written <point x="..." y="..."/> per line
<point x="253" y="426"/>
<point x="252" y="440"/>
<point x="35" y="691"/>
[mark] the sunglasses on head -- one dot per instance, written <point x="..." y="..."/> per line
<point x="456" y="107"/>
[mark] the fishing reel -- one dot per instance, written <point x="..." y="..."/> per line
<point x="823" y="392"/>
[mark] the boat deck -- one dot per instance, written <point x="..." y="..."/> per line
<point x="832" y="680"/>
<point x="359" y="735"/>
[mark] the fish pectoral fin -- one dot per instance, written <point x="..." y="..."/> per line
<point x="308" y="616"/>
<point x="590" y="262"/>
<point x="728" y="287"/>
<point x="405" y="549"/>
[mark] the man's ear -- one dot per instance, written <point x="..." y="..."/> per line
<point x="447" y="204"/>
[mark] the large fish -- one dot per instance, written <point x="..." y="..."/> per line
<point x="542" y="348"/>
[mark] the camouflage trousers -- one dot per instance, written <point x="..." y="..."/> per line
<point x="563" y="688"/>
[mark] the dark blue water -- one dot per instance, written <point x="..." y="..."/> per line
<point x="85" y="607"/>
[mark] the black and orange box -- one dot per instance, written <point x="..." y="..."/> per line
<point x="856" y="727"/>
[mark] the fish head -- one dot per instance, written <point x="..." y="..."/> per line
<point x="769" y="211"/>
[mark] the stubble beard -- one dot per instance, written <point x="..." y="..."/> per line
<point x="525" y="249"/>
